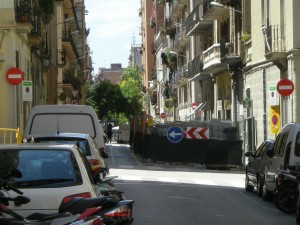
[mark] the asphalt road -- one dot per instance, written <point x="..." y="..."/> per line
<point x="188" y="194"/>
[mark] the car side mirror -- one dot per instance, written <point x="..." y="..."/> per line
<point x="249" y="154"/>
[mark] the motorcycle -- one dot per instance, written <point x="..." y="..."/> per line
<point x="9" y="217"/>
<point x="286" y="190"/>
<point x="111" y="209"/>
<point x="107" y="187"/>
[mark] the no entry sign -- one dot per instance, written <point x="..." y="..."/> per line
<point x="163" y="115"/>
<point x="285" y="87"/>
<point x="14" y="76"/>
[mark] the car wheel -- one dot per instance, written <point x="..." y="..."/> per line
<point x="266" y="194"/>
<point x="248" y="187"/>
<point x="285" y="200"/>
<point x="298" y="211"/>
<point x="259" y="187"/>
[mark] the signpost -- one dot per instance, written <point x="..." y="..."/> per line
<point x="197" y="133"/>
<point x="285" y="87"/>
<point x="14" y="76"/>
<point x="174" y="134"/>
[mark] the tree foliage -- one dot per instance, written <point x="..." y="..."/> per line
<point x="117" y="100"/>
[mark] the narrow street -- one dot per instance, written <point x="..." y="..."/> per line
<point x="188" y="194"/>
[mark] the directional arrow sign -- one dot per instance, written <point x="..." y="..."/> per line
<point x="197" y="133"/>
<point x="174" y="134"/>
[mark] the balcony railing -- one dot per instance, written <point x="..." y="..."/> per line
<point x="211" y="56"/>
<point x="275" y="39"/>
<point x="180" y="39"/>
<point x="195" y="66"/>
<point x="176" y="7"/>
<point x="68" y="37"/>
<point x="180" y="75"/>
<point x="193" y="18"/>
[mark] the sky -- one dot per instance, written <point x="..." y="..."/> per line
<point x="114" y="27"/>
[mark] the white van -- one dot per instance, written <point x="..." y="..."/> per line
<point x="54" y="119"/>
<point x="286" y="152"/>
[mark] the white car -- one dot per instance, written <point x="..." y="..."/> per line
<point x="84" y="141"/>
<point x="50" y="174"/>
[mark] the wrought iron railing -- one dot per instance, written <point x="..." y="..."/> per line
<point x="193" y="18"/>
<point x="275" y="39"/>
<point x="195" y="66"/>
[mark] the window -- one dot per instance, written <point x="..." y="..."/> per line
<point x="280" y="144"/>
<point x="297" y="145"/>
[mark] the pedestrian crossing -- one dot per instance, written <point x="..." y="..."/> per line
<point x="126" y="175"/>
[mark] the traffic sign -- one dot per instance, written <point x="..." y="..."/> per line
<point x="14" y="76"/>
<point x="197" y="133"/>
<point x="285" y="87"/>
<point x="163" y="115"/>
<point x="194" y="105"/>
<point x="174" y="134"/>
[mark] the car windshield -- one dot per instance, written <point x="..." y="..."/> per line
<point x="81" y="143"/>
<point x="44" y="168"/>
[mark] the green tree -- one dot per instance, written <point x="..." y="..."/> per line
<point x="131" y="89"/>
<point x="106" y="98"/>
<point x="117" y="100"/>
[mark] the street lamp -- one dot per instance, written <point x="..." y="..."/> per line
<point x="219" y="5"/>
<point x="175" y="53"/>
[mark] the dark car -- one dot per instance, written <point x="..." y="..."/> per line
<point x="256" y="166"/>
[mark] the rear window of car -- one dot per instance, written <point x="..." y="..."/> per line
<point x="81" y="143"/>
<point x="45" y="168"/>
<point x="50" y="123"/>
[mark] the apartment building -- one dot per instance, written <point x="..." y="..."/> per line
<point x="272" y="54"/>
<point x="219" y="62"/>
<point x="44" y="43"/>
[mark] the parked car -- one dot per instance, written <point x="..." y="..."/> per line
<point x="255" y="167"/>
<point x="50" y="174"/>
<point x="50" y="119"/>
<point x="85" y="143"/>
<point x="286" y="152"/>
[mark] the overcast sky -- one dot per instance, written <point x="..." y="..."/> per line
<point x="114" y="27"/>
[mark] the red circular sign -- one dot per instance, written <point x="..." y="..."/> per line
<point x="285" y="87"/>
<point x="163" y="115"/>
<point x="14" y="76"/>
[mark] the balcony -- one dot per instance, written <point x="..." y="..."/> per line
<point x="180" y="39"/>
<point x="35" y="35"/>
<point x="195" y="67"/>
<point x="275" y="48"/>
<point x="228" y="54"/>
<point x="68" y="43"/>
<point x="211" y="12"/>
<point x="194" y="24"/>
<point x="176" y="7"/>
<point x="180" y="76"/>
<point x="248" y="52"/>
<point x="23" y="16"/>
<point x="212" y="60"/>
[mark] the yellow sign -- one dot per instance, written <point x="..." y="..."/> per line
<point x="150" y="121"/>
<point x="274" y="119"/>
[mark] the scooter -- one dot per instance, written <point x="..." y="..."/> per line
<point x="107" y="187"/>
<point x="87" y="217"/>
<point x="286" y="190"/>
<point x="112" y="210"/>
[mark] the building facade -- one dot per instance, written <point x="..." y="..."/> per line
<point x="219" y="62"/>
<point x="44" y="43"/>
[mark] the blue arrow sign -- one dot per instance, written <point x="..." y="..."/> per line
<point x="174" y="134"/>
